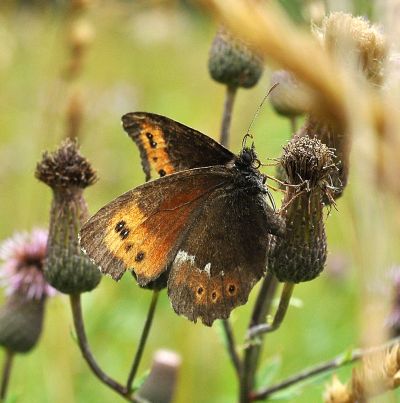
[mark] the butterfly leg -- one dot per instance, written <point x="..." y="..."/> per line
<point x="279" y="315"/>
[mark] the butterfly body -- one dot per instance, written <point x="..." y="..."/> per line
<point x="201" y="229"/>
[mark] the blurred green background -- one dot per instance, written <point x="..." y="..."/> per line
<point x="150" y="57"/>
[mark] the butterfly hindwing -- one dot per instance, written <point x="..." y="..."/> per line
<point x="141" y="230"/>
<point x="222" y="256"/>
<point x="168" y="146"/>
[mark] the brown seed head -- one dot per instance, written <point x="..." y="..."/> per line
<point x="308" y="161"/>
<point x="65" y="167"/>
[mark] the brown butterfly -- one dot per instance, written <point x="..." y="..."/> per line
<point x="201" y="229"/>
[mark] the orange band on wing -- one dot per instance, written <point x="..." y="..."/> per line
<point x="153" y="141"/>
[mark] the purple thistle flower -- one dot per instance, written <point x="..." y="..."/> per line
<point x="21" y="268"/>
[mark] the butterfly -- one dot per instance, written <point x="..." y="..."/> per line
<point x="201" y="229"/>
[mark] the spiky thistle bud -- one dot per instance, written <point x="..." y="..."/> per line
<point x="161" y="383"/>
<point x="288" y="97"/>
<point x="21" y="322"/>
<point x="21" y="273"/>
<point x="232" y="62"/>
<point x="300" y="254"/>
<point x="68" y="174"/>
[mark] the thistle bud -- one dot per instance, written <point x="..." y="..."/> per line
<point x="21" y="322"/>
<point x="232" y="62"/>
<point x="160" y="385"/>
<point x="21" y="273"/>
<point x="300" y="254"/>
<point x="67" y="173"/>
<point x="287" y="97"/>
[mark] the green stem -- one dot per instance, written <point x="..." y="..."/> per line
<point x="258" y="330"/>
<point x="232" y="347"/>
<point x="5" y="379"/>
<point x="227" y="116"/>
<point x="327" y="366"/>
<point x="253" y="351"/>
<point x="75" y="301"/>
<point x="143" y="339"/>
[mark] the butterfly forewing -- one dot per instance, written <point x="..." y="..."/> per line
<point x="168" y="146"/>
<point x="141" y="230"/>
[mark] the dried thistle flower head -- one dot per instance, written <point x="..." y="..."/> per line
<point x="288" y="97"/>
<point x="232" y="62"/>
<point x="337" y="392"/>
<point x="67" y="173"/>
<point x="341" y="32"/>
<point x="21" y="270"/>
<point x="21" y="274"/>
<point x="300" y="254"/>
<point x="377" y="374"/>
<point x="65" y="168"/>
<point x="307" y="161"/>
<point x="352" y="40"/>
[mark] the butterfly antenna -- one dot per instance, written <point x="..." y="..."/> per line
<point x="247" y="135"/>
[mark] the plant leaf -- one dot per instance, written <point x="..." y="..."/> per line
<point x="268" y="371"/>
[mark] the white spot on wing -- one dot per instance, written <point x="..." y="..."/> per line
<point x="183" y="257"/>
<point x="207" y="269"/>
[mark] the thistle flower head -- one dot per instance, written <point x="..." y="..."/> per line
<point x="308" y="160"/>
<point x="368" y="43"/>
<point x="65" y="168"/>
<point x="67" y="172"/>
<point x="300" y="254"/>
<point x="377" y="374"/>
<point x="337" y="392"/>
<point x="21" y="270"/>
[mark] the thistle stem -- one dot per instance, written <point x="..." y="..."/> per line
<point x="75" y="300"/>
<point x="327" y="366"/>
<point x="143" y="339"/>
<point x="252" y="353"/>
<point x="257" y="330"/>
<point x="9" y="355"/>
<point x="232" y="347"/>
<point x="227" y="116"/>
